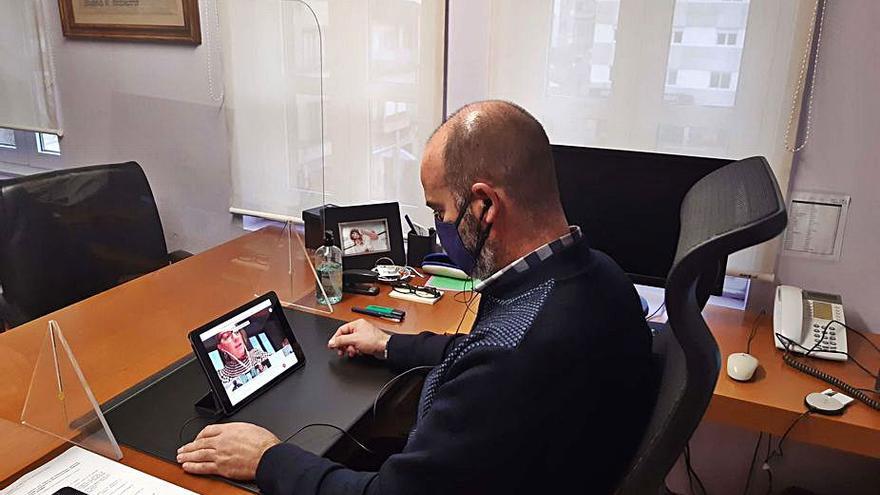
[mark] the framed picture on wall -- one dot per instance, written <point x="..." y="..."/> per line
<point x="366" y="233"/>
<point x="174" y="21"/>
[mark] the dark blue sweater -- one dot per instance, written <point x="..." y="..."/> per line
<point x="549" y="392"/>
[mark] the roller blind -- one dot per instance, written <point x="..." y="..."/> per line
<point x="383" y="90"/>
<point x="27" y="79"/>
<point x="707" y="78"/>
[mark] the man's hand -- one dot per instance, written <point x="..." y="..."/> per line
<point x="230" y="450"/>
<point x="359" y="337"/>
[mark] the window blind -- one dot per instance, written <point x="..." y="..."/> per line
<point x="707" y="78"/>
<point x="27" y="79"/>
<point x="382" y="81"/>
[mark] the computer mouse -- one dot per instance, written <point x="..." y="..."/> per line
<point x="741" y="366"/>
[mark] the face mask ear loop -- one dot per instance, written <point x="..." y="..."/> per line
<point x="461" y="213"/>
<point x="483" y="235"/>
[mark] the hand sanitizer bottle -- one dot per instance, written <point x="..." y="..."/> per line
<point x="328" y="265"/>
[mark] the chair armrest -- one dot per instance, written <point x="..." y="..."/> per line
<point x="175" y="256"/>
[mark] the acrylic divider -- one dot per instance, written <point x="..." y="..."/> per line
<point x="60" y="402"/>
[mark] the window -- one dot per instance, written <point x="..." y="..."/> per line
<point x="672" y="86"/>
<point x="713" y="54"/>
<point x="26" y="152"/>
<point x="7" y="138"/>
<point x="691" y="139"/>
<point x="48" y="144"/>
<point x="726" y="38"/>
<point x="677" y="36"/>
<point x="582" y="44"/>
<point x="719" y="80"/>
<point x="352" y="134"/>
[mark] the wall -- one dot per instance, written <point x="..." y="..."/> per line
<point x="841" y="156"/>
<point x="149" y="103"/>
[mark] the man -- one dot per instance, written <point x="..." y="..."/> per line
<point x="549" y="393"/>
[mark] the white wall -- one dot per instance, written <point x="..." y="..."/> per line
<point x="149" y="103"/>
<point x="842" y="156"/>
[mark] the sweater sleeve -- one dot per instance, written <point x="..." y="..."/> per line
<point x="461" y="445"/>
<point x="424" y="349"/>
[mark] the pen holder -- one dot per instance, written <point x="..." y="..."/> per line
<point x="419" y="246"/>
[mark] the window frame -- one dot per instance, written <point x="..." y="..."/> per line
<point x="717" y="78"/>
<point x="26" y="158"/>
<point x="677" y="36"/>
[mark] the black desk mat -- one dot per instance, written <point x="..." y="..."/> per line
<point x="328" y="389"/>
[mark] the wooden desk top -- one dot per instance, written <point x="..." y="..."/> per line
<point x="125" y="335"/>
<point x="775" y="397"/>
<point x="145" y="322"/>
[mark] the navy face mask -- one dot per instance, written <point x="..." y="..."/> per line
<point x="450" y="238"/>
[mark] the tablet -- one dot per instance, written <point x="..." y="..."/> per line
<point x="246" y="351"/>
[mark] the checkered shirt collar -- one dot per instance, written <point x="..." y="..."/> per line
<point x="533" y="259"/>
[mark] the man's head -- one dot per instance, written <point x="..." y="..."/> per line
<point x="493" y="159"/>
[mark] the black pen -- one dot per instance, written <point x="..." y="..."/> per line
<point x="378" y="314"/>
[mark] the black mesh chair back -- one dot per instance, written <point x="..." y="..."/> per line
<point x="737" y="206"/>
<point x="69" y="234"/>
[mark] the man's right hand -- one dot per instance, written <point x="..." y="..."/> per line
<point x="359" y="337"/>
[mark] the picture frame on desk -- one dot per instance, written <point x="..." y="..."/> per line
<point x="170" y="21"/>
<point x="366" y="234"/>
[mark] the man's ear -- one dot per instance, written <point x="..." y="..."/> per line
<point x="488" y="202"/>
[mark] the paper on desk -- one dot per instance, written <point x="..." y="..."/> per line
<point x="91" y="474"/>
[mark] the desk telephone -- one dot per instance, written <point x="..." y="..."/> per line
<point x="801" y="316"/>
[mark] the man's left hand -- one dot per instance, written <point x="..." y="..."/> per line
<point x="231" y="450"/>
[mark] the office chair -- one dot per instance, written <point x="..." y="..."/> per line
<point x="732" y="208"/>
<point x="69" y="234"/>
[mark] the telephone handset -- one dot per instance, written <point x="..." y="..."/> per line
<point x="801" y="316"/>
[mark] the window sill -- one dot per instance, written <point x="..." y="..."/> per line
<point x="9" y="170"/>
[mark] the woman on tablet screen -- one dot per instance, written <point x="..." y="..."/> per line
<point x="237" y="358"/>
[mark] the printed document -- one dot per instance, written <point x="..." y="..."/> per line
<point x="91" y="474"/>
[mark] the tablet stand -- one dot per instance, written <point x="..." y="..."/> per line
<point x="209" y="405"/>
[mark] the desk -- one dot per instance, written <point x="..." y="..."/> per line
<point x="156" y="311"/>
<point x="151" y="316"/>
<point x="775" y="397"/>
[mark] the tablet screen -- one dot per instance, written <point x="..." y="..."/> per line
<point x="248" y="350"/>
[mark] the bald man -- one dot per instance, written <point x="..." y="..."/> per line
<point x="549" y="393"/>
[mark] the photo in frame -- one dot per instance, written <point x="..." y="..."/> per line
<point x="366" y="233"/>
<point x="175" y="21"/>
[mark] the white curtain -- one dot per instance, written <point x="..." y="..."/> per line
<point x="710" y="78"/>
<point x="27" y="79"/>
<point x="383" y="90"/>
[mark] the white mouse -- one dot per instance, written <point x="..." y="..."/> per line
<point x="741" y="366"/>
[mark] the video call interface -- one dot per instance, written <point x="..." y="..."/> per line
<point x="249" y="350"/>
